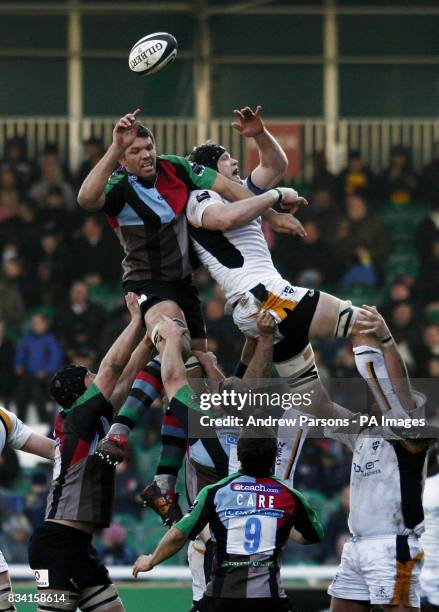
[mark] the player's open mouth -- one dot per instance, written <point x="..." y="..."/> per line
<point x="147" y="165"/>
<point x="236" y="172"/>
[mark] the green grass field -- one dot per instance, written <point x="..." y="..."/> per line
<point x="151" y="596"/>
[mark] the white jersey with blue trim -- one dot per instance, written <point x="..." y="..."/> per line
<point x="238" y="259"/>
<point x="387" y="480"/>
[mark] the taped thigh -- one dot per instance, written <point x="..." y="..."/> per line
<point x="51" y="600"/>
<point x="98" y="598"/>
<point x="6" y="597"/>
<point x="347" y="315"/>
<point x="300" y="371"/>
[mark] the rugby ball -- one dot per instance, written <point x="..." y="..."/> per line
<point x="152" y="53"/>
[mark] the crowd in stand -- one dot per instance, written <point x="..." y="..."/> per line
<point x="60" y="301"/>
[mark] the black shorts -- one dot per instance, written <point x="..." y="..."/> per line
<point x="182" y="292"/>
<point x="295" y="328"/>
<point x="229" y="604"/>
<point x="68" y="555"/>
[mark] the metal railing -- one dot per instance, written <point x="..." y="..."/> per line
<point x="373" y="137"/>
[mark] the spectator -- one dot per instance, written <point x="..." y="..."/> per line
<point x="309" y="257"/>
<point x="92" y="153"/>
<point x="221" y="334"/>
<point x="428" y="278"/>
<point x="400" y="291"/>
<point x="12" y="306"/>
<point x="95" y="256"/>
<point x="9" y="468"/>
<point x="14" y="539"/>
<point x="364" y="236"/>
<point x="399" y="181"/>
<point x="428" y="231"/>
<point x="430" y="176"/>
<point x="51" y="175"/>
<point x="7" y="381"/>
<point x="36" y="500"/>
<point x="128" y="489"/>
<point x="114" y="549"/>
<point x="9" y="194"/>
<point x="325" y="214"/>
<point x="16" y="159"/>
<point x="357" y="177"/>
<point x="79" y="323"/>
<point x="51" y="271"/>
<point x="322" y="179"/>
<point x="405" y="330"/>
<point x="37" y="358"/>
<point x="56" y="217"/>
<point x="428" y="352"/>
<point x="22" y="230"/>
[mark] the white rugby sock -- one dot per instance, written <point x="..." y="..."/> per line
<point x="372" y="367"/>
<point x="195" y="555"/>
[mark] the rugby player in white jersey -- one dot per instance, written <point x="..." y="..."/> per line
<point x="382" y="561"/>
<point x="228" y="239"/>
<point x="19" y="436"/>
<point x="430" y="537"/>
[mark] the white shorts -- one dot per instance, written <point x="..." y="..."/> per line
<point x="430" y="585"/>
<point x="369" y="571"/>
<point x="281" y="298"/>
<point x="3" y="564"/>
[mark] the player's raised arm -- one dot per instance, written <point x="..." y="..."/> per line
<point x="138" y="359"/>
<point x="272" y="159"/>
<point x="115" y="361"/>
<point x="91" y="195"/>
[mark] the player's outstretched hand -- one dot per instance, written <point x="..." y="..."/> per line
<point x="132" y="302"/>
<point x="374" y="324"/>
<point x="125" y="130"/>
<point x="142" y="564"/>
<point x="286" y="223"/>
<point x="291" y="200"/>
<point x="249" y="122"/>
<point x="266" y="323"/>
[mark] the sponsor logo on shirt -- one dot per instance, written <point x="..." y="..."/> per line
<point x="204" y="195"/>
<point x="248" y="512"/>
<point x="197" y="169"/>
<point x="250" y="487"/>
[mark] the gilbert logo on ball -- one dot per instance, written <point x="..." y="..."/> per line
<point x="152" y="53"/>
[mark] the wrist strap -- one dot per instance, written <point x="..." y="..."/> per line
<point x="386" y="340"/>
<point x="280" y="196"/>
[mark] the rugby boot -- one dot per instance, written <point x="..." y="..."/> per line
<point x="112" y="448"/>
<point x="164" y="504"/>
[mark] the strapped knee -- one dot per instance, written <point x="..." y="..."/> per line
<point x="6" y="598"/>
<point x="99" y="598"/>
<point x="347" y="316"/>
<point x="50" y="600"/>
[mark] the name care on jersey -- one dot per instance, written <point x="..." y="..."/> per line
<point x="250" y="520"/>
<point x="387" y="482"/>
<point x="238" y="259"/>
<point x="12" y="431"/>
